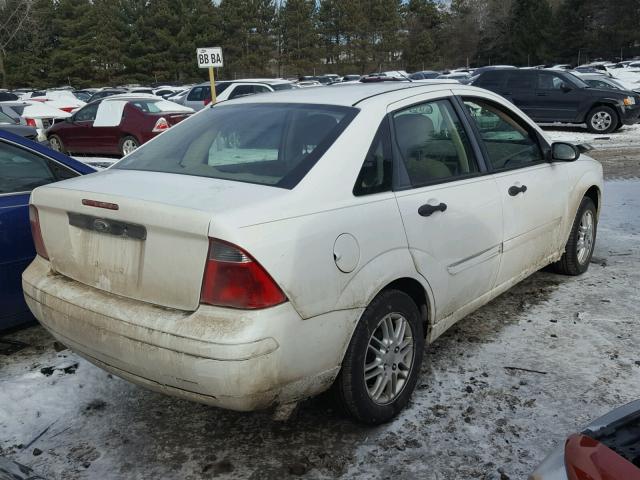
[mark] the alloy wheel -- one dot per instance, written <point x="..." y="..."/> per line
<point x="601" y="121"/>
<point x="389" y="358"/>
<point x="586" y="232"/>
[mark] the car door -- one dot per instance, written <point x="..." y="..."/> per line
<point x="78" y="136"/>
<point x="451" y="210"/>
<point x="196" y="97"/>
<point x="520" y="89"/>
<point x="557" y="99"/>
<point x="533" y="191"/>
<point x="20" y="172"/>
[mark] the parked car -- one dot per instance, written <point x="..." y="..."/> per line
<point x="557" y="96"/>
<point x="116" y="125"/>
<point x="268" y="248"/>
<point x="38" y="115"/>
<point x="10" y="124"/>
<point x="200" y="95"/>
<point x="107" y="92"/>
<point x="606" y="83"/>
<point x="351" y="78"/>
<point x="24" y="165"/>
<point x="424" y="75"/>
<point x="64" y="100"/>
<point x="607" y="449"/>
<point x="8" y="96"/>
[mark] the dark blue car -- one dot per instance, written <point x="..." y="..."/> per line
<point x="24" y="165"/>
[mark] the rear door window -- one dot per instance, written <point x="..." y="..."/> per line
<point x="521" y="80"/>
<point x="267" y="144"/>
<point x="492" y="79"/>
<point x="433" y="144"/>
<point x="22" y="171"/>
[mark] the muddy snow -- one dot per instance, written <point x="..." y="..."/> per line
<point x="497" y="391"/>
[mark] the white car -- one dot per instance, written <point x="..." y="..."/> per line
<point x="39" y="115"/>
<point x="269" y="248"/>
<point x="200" y="95"/>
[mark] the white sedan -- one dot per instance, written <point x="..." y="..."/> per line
<point x="272" y="247"/>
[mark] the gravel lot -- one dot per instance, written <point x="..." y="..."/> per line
<point x="477" y="414"/>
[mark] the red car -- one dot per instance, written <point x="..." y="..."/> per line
<point x="608" y="449"/>
<point x="115" y="125"/>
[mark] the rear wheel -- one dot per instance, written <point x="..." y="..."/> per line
<point x="128" y="144"/>
<point x="56" y="144"/>
<point x="582" y="239"/>
<point x="382" y="363"/>
<point x="602" y="119"/>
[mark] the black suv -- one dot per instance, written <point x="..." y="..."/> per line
<point x="549" y="96"/>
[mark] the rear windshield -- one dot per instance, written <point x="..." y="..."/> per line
<point x="267" y="144"/>
<point x="154" y="106"/>
<point x="281" y="86"/>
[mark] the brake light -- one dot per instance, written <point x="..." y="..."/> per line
<point x="161" y="125"/>
<point x="206" y="101"/>
<point x="36" y="233"/>
<point x="30" y="122"/>
<point x="232" y="278"/>
<point x="68" y="109"/>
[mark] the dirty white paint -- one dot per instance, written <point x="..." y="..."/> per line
<point x="468" y="418"/>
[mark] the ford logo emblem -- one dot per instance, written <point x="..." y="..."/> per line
<point x="100" y="225"/>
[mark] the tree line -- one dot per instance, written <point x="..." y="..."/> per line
<point x="108" y="42"/>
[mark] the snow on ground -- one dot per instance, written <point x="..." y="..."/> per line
<point x="628" y="136"/>
<point x="473" y="416"/>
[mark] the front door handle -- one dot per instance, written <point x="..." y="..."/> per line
<point x="426" y="210"/>
<point x="515" y="190"/>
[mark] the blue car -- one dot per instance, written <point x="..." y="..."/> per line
<point x="24" y="165"/>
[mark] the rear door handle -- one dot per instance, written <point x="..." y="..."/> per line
<point x="427" y="209"/>
<point x="515" y="190"/>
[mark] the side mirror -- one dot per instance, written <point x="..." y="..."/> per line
<point x="564" y="152"/>
<point x="565" y="87"/>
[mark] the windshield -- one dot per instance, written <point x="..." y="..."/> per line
<point x="267" y="144"/>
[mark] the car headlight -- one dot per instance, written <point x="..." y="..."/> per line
<point x="628" y="101"/>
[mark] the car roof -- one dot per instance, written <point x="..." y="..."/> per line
<point x="268" y="81"/>
<point x="57" y="156"/>
<point x="346" y="95"/>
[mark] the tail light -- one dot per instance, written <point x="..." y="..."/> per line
<point x="68" y="109"/>
<point x="232" y="278"/>
<point x="206" y="101"/>
<point x="161" y="125"/>
<point x="30" y="122"/>
<point x="36" y="233"/>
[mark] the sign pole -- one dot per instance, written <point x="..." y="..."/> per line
<point x="213" y="86"/>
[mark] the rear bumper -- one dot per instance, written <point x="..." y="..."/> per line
<point x="241" y="360"/>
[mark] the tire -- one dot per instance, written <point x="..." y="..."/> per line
<point x="354" y="393"/>
<point x="602" y="119"/>
<point x="618" y="127"/>
<point x="578" y="251"/>
<point x="128" y="144"/>
<point x="56" y="144"/>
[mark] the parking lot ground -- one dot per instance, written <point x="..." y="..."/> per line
<point x="498" y="391"/>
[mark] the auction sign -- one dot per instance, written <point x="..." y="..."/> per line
<point x="209" y="58"/>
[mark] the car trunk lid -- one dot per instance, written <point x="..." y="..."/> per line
<point x="141" y="235"/>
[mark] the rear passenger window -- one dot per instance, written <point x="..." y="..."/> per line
<point x="521" y="80"/>
<point x="491" y="79"/>
<point x="196" y="94"/>
<point x="433" y="144"/>
<point x="22" y="171"/>
<point x="509" y="142"/>
<point x="377" y="169"/>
